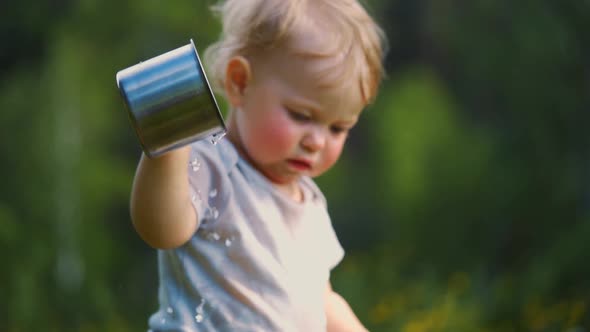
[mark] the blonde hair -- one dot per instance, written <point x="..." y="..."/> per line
<point x="250" y="26"/>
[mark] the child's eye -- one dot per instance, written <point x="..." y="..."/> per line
<point x="338" y="130"/>
<point x="298" y="116"/>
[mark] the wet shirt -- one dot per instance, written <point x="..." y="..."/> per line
<point x="259" y="261"/>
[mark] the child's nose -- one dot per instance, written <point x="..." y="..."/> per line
<point x="314" y="140"/>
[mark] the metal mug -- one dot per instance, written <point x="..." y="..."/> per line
<point x="169" y="101"/>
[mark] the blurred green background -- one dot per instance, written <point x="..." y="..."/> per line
<point x="462" y="199"/>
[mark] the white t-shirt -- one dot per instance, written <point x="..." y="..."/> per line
<point x="259" y="260"/>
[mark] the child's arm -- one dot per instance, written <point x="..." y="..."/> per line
<point x="161" y="209"/>
<point x="339" y="315"/>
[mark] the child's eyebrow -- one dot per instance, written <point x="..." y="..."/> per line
<point x="348" y="122"/>
<point x="351" y="121"/>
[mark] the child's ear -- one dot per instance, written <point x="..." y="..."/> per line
<point x="237" y="78"/>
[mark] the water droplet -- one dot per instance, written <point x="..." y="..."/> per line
<point x="217" y="137"/>
<point x="228" y="242"/>
<point x="199" y="311"/>
<point x="195" y="164"/>
<point x="169" y="310"/>
<point x="211" y="213"/>
<point x="198" y="318"/>
<point x="213" y="193"/>
<point x="199" y="308"/>
<point x="213" y="236"/>
<point x="196" y="196"/>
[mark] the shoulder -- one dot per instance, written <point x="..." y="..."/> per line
<point x="316" y="193"/>
<point x="221" y="157"/>
<point x="211" y="166"/>
<point x="210" y="176"/>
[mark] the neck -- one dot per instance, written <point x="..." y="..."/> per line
<point x="293" y="190"/>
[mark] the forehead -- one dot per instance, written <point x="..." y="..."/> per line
<point x="317" y="80"/>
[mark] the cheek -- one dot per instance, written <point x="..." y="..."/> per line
<point x="274" y="136"/>
<point x="330" y="156"/>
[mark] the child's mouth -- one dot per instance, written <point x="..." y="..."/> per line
<point x="300" y="165"/>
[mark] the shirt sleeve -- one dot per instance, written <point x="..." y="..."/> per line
<point x="334" y="250"/>
<point x="205" y="176"/>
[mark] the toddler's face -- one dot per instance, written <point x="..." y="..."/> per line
<point x="288" y="126"/>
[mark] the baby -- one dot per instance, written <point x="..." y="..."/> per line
<point x="244" y="237"/>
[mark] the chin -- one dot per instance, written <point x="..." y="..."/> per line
<point x="281" y="180"/>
